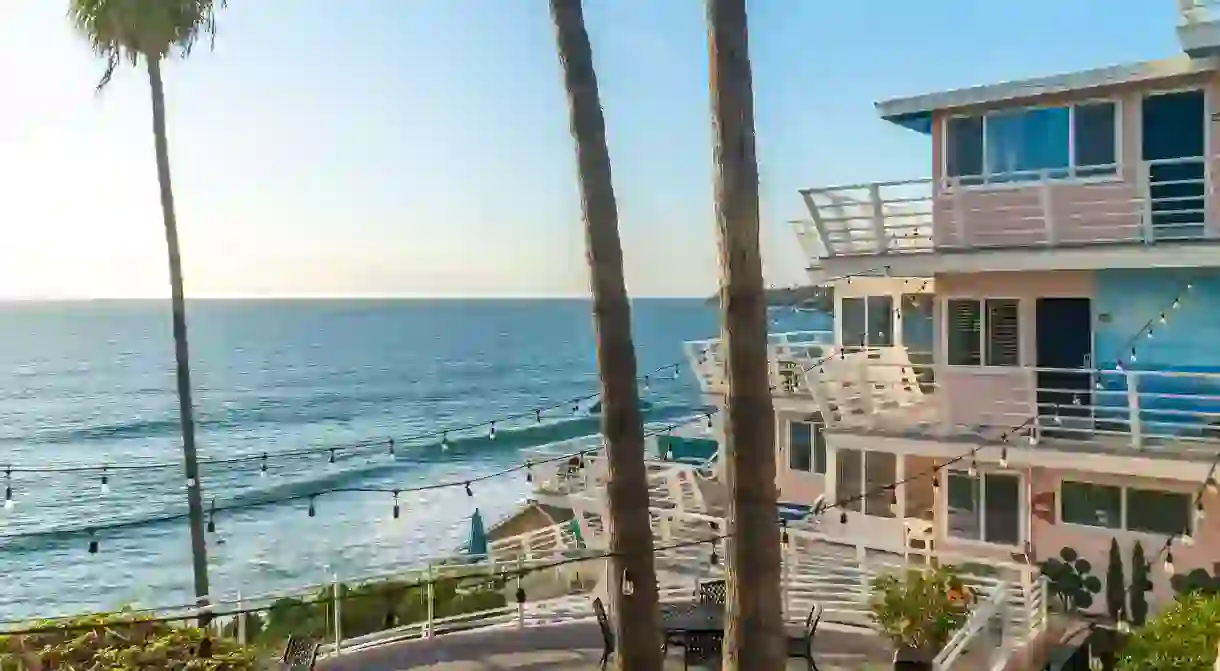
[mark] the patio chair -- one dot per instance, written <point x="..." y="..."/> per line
<point x="701" y="648"/>
<point x="299" y="654"/>
<point x="603" y="623"/>
<point x="800" y="644"/>
<point x="713" y="591"/>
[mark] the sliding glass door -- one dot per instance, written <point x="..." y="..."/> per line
<point x="985" y="507"/>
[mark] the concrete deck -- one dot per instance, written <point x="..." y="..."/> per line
<point x="567" y="647"/>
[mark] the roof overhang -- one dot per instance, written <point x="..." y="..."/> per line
<point x="911" y="111"/>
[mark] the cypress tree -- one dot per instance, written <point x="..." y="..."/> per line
<point x="1139" y="585"/>
<point x="1116" y="587"/>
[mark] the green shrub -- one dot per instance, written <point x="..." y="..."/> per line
<point x="921" y="609"/>
<point x="1180" y="638"/>
<point x="1198" y="580"/>
<point x="142" y="644"/>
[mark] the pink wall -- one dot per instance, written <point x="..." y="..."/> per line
<point x="1093" y="210"/>
<point x="1093" y="544"/>
<point x="998" y="396"/>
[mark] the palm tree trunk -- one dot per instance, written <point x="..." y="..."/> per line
<point x="754" y="639"/>
<point x="636" y="621"/>
<point x="194" y="495"/>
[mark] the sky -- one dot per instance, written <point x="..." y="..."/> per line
<point x="421" y="148"/>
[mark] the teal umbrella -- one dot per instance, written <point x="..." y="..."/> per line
<point x="478" y="535"/>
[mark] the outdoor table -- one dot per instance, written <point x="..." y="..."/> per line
<point x="692" y="618"/>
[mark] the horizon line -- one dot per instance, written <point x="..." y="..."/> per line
<point x="306" y="297"/>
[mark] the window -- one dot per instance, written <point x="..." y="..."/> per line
<point x="806" y="447"/>
<point x="1126" y="508"/>
<point x="858" y="472"/>
<point x="867" y="321"/>
<point x="977" y="341"/>
<point x="1026" y="144"/>
<point x="984" y="507"/>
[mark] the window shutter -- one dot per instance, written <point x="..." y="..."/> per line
<point x="1003" y="332"/>
<point x="964" y="332"/>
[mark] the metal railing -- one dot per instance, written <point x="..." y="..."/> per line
<point x="1145" y="203"/>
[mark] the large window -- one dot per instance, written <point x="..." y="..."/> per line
<point x="1029" y="144"/>
<point x="984" y="333"/>
<point x="984" y="507"/>
<point x="806" y="447"/>
<point x="861" y="481"/>
<point x="1125" y="508"/>
<point x="867" y="321"/>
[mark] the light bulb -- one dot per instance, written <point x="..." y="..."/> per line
<point x="1004" y="457"/>
<point x="262" y="469"/>
<point x="1211" y="485"/>
<point x="669" y="454"/>
<point x="538" y="416"/>
<point x="935" y="483"/>
<point x="1150" y="334"/>
<point x="1133" y="359"/>
<point x="1169" y="563"/>
<point x="644" y="385"/>
<point x="677" y="371"/>
<point x="1162" y="319"/>
<point x="1200" y="515"/>
<point x="628" y="586"/>
<point x="709" y="420"/>
<point x="105" y="485"/>
<point x="491" y="432"/>
<point x="445" y="442"/>
<point x="973" y="471"/>
<point x="1176" y="304"/>
<point x="332" y="455"/>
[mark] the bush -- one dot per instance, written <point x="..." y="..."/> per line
<point x="1198" y="580"/>
<point x="1182" y="637"/>
<point x="142" y="644"/>
<point x="922" y="609"/>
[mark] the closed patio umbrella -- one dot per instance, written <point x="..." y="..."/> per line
<point x="478" y="535"/>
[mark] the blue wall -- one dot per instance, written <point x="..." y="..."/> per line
<point x="1189" y="341"/>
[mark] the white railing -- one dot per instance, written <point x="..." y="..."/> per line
<point x="1146" y="203"/>
<point x="789" y="354"/>
<point x="986" y="615"/>
<point x="882" y="390"/>
<point x="1197" y="11"/>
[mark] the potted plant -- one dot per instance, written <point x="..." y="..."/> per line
<point x="919" y="612"/>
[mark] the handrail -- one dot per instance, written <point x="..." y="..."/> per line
<point x="979" y="617"/>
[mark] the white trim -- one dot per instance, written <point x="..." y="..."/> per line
<point x="1146" y="71"/>
<point x="947" y="182"/>
<point x="814" y="430"/>
<point x="1123" y="490"/>
<point x="1022" y="511"/>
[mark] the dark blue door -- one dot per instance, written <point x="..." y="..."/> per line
<point x="1174" y="140"/>
<point x="1064" y="339"/>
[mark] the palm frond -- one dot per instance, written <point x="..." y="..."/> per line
<point x="126" y="30"/>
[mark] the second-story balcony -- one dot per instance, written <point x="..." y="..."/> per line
<point x="1163" y="203"/>
<point x="789" y="353"/>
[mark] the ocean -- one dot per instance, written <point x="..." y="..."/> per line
<point x="91" y="384"/>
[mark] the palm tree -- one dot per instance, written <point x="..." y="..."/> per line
<point x="636" y="622"/>
<point x="151" y="30"/>
<point x="755" y="635"/>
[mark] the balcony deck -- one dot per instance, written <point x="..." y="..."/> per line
<point x="881" y="392"/>
<point x="1132" y="207"/>
<point x="564" y="647"/>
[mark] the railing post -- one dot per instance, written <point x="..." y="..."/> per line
<point x="241" y="620"/>
<point x="430" y="625"/>
<point x="785" y="572"/>
<point x="861" y="561"/>
<point x="338" y="614"/>
<point x="1048" y="209"/>
<point x="1144" y="184"/>
<point x="1133" y="409"/>
<point x="520" y="602"/>
<point x="874" y="197"/>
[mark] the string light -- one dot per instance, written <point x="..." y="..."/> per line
<point x="709" y="420"/>
<point x="538" y="416"/>
<point x="1003" y="457"/>
<point x="627" y="587"/>
<point x="212" y="517"/>
<point x="105" y="482"/>
<point x="491" y="431"/>
<point x="469" y="491"/>
<point x="8" y="489"/>
<point x="1199" y="513"/>
<point x="390" y="447"/>
<point x="1168" y="566"/>
<point x="1210" y="485"/>
<point x="396" y="510"/>
<point x="445" y="442"/>
<point x="262" y="469"/>
<point x="313" y="511"/>
<point x="973" y="471"/>
<point x="332" y="455"/>
<point x="93" y="546"/>
<point x="529" y="472"/>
